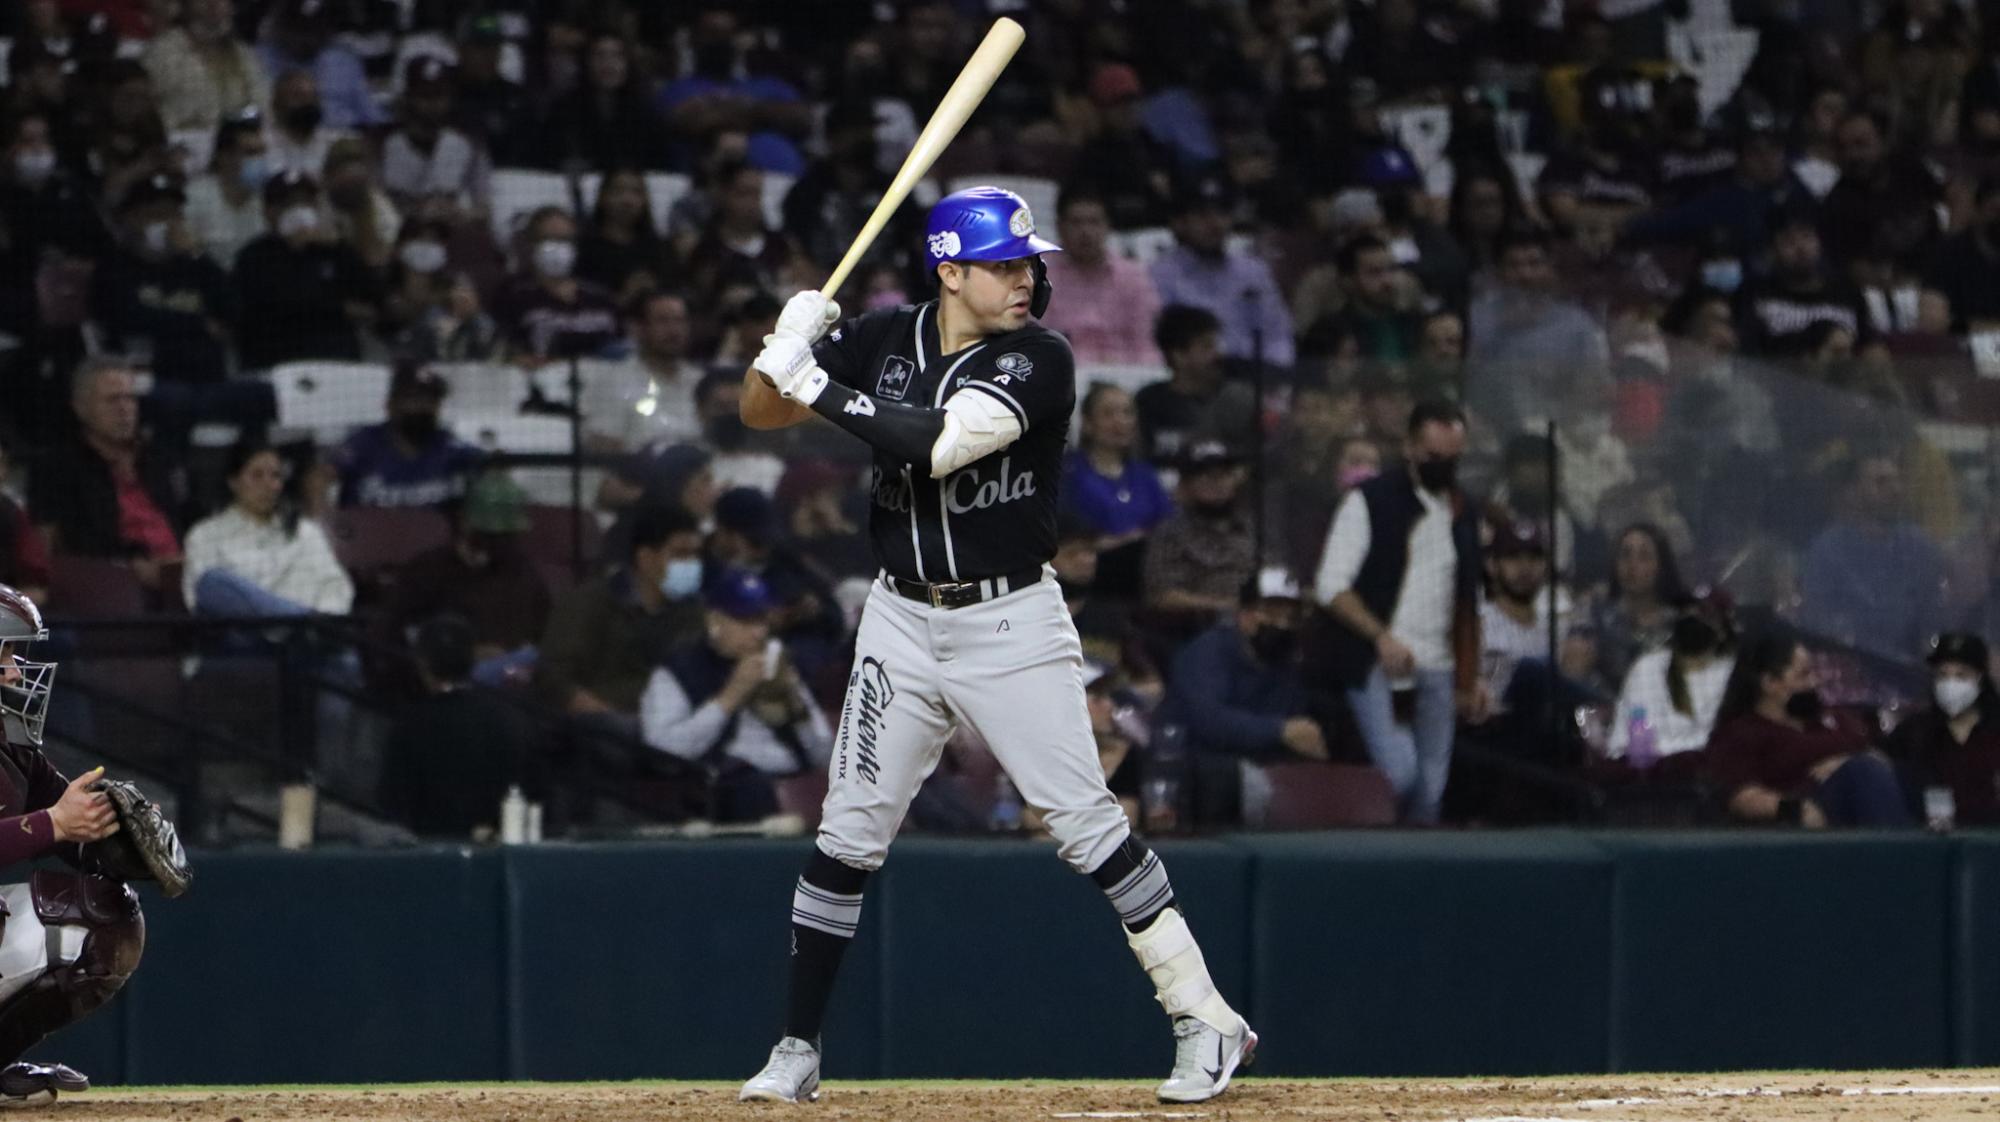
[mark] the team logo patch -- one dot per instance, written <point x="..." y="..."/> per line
<point x="1021" y="223"/>
<point x="895" y="379"/>
<point x="1014" y="363"/>
<point x="945" y="244"/>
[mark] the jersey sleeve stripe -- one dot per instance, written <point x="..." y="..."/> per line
<point x="1006" y="399"/>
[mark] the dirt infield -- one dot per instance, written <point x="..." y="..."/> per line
<point x="1870" y="1097"/>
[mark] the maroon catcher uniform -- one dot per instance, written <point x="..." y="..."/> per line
<point x="69" y="937"/>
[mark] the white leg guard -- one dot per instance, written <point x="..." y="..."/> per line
<point x="1172" y="959"/>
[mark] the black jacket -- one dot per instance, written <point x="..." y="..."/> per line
<point x="74" y="491"/>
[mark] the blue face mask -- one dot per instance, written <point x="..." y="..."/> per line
<point x="683" y="578"/>
<point x="254" y="171"/>
<point x="1723" y="276"/>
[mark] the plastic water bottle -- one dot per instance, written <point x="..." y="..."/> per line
<point x="1642" y="748"/>
<point x="1006" y="818"/>
<point x="514" y="817"/>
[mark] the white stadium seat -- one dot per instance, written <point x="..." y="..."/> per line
<point x="519" y="192"/>
<point x="482" y="389"/>
<point x="1039" y="193"/>
<point x="329" y="398"/>
<point x="663" y="190"/>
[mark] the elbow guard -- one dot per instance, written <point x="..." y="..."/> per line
<point x="976" y="424"/>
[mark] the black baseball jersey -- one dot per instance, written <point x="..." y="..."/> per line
<point x="996" y="515"/>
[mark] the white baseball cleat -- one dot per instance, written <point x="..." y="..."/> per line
<point x="791" y="1074"/>
<point x="1204" y="1059"/>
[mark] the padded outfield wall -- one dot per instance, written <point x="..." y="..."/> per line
<point x="1353" y="953"/>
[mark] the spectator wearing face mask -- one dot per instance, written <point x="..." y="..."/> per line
<point x="158" y="295"/>
<point x="604" y="638"/>
<point x="1237" y="691"/>
<point x="298" y="133"/>
<point x="426" y="161"/>
<point x="1779" y="755"/>
<point x="1954" y="742"/>
<point x="363" y="216"/>
<point x="1198" y="558"/>
<point x="225" y="204"/>
<point x="201" y="71"/>
<point x="299" y="39"/>
<point x="483" y="576"/>
<point x="53" y="229"/>
<point x="301" y="294"/>
<point x="1400" y="575"/>
<point x="1677" y="691"/>
<point x="734" y="701"/>
<point x="410" y="460"/>
<point x="545" y="310"/>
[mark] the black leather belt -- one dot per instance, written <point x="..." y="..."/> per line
<point x="962" y="593"/>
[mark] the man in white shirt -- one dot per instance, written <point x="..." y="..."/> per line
<point x="1514" y="616"/>
<point x="1400" y="576"/>
<point x="426" y="159"/>
<point x="735" y="701"/>
<point x="650" y="398"/>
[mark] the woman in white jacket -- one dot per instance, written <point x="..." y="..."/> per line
<point x="253" y="559"/>
<point x="1676" y="690"/>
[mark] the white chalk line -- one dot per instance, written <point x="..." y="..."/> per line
<point x="1133" y="1115"/>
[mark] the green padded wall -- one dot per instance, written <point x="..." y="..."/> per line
<point x="1429" y="953"/>
<point x="1780" y="950"/>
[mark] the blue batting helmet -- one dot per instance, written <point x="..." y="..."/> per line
<point x="983" y="224"/>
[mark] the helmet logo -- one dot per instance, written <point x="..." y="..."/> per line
<point x="1021" y="223"/>
<point x="944" y="244"/>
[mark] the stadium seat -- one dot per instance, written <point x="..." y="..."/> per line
<point x="528" y="434"/>
<point x="663" y="190"/>
<point x="1039" y="193"/>
<point x="482" y="389"/>
<point x="94" y="588"/>
<point x="551" y="530"/>
<point x="802" y="795"/>
<point x="369" y="539"/>
<point x="519" y="192"/>
<point x="1315" y="796"/>
<point x="1142" y="245"/>
<point x="326" y="399"/>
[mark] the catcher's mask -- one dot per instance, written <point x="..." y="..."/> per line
<point x="24" y="685"/>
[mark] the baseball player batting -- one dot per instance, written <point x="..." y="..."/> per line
<point x="966" y="401"/>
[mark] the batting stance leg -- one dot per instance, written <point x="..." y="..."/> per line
<point x="1013" y="668"/>
<point x="893" y="726"/>
<point x="68" y="942"/>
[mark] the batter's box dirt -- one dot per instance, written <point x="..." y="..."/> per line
<point x="1948" y="1096"/>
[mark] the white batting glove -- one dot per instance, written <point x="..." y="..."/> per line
<point x="807" y="315"/>
<point x="787" y="360"/>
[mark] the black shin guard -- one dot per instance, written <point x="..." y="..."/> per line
<point x="826" y="909"/>
<point x="1136" y="884"/>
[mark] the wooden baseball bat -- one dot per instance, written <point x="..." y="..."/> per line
<point x="965" y="94"/>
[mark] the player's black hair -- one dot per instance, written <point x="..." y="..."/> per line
<point x="1181" y="324"/>
<point x="652" y="526"/>
<point x="444" y="648"/>
<point x="1435" y="410"/>
<point x="1351" y="250"/>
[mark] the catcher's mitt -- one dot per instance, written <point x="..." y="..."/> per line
<point x="146" y="846"/>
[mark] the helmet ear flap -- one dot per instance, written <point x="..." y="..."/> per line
<point x="1044" y="288"/>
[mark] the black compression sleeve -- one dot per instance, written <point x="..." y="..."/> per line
<point x="906" y="432"/>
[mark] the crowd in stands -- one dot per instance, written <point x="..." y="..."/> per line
<point x="1501" y="397"/>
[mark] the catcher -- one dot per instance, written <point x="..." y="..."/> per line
<point x="68" y="937"/>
